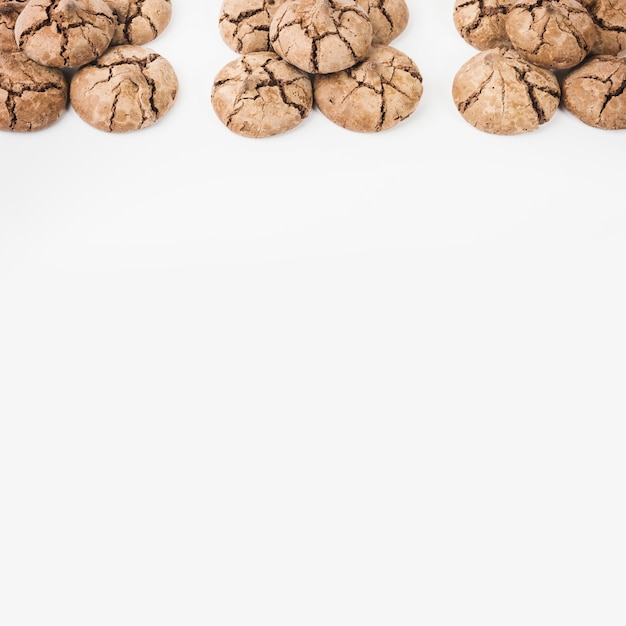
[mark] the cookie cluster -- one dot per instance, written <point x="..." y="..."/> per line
<point x="294" y="54"/>
<point x="88" y="53"/>
<point x="537" y="54"/>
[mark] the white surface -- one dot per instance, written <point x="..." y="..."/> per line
<point x="324" y="378"/>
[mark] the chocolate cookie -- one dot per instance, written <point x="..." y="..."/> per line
<point x="64" y="33"/>
<point x="9" y="12"/>
<point x="482" y="23"/>
<point x="388" y="17"/>
<point x="127" y="88"/>
<point x="595" y="92"/>
<point x="375" y="94"/>
<point x="555" y="34"/>
<point x="32" y="96"/>
<point x="321" y="36"/>
<point x="499" y="92"/>
<point x="261" y="95"/>
<point x="609" y="17"/>
<point x="245" y="24"/>
<point x="139" y="21"/>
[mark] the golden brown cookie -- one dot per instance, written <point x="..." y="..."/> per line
<point x="9" y="12"/>
<point x="595" y="92"/>
<point x="261" y="95"/>
<point x="499" y="92"/>
<point x="64" y="33"/>
<point x="127" y="88"/>
<point x="481" y="23"/>
<point x="32" y="97"/>
<point x="555" y="34"/>
<point x="389" y="18"/>
<point x="245" y="24"/>
<point x="609" y="17"/>
<point x="139" y="21"/>
<point x="377" y="93"/>
<point x="321" y="36"/>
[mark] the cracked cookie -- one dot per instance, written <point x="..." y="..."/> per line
<point x="128" y="88"/>
<point x="498" y="91"/>
<point x="64" y="33"/>
<point x="9" y="12"/>
<point x="260" y="95"/>
<point x="32" y="96"/>
<point x="609" y="17"/>
<point x="245" y="24"/>
<point x="377" y="93"/>
<point x="321" y="36"/>
<point x="388" y="18"/>
<point x="139" y="21"/>
<point x="482" y="23"/>
<point x="554" y="34"/>
<point x="595" y="92"/>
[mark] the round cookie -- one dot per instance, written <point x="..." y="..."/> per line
<point x="389" y="18"/>
<point x="595" y="92"/>
<point x="245" y="24"/>
<point x="64" y="33"/>
<point x="127" y="88"/>
<point x="499" y="92"/>
<point x="482" y="23"/>
<point x="32" y="96"/>
<point x="261" y="95"/>
<point x="321" y="36"/>
<point x="555" y="34"/>
<point x="375" y="94"/>
<point x="9" y="12"/>
<point x="139" y="21"/>
<point x="609" y="17"/>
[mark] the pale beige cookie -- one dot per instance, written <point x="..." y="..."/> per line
<point x="555" y="34"/>
<point x="261" y="95"/>
<point x="481" y="23"/>
<point x="127" y="88"/>
<point x="609" y="17"/>
<point x="595" y="92"/>
<point x="9" y="12"/>
<point x="245" y="24"/>
<point x="389" y="18"/>
<point x="377" y="93"/>
<point x="499" y="92"/>
<point x="64" y="33"/>
<point x="139" y="21"/>
<point x="321" y="36"/>
<point x="32" y="96"/>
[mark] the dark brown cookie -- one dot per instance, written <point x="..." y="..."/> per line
<point x="260" y="95"/>
<point x="321" y="36"/>
<point x="127" y="88"/>
<point x="377" y="93"/>
<point x="9" y="12"/>
<point x="499" y="92"/>
<point x="139" y="21"/>
<point x="389" y="18"/>
<point x="32" y="96"/>
<point x="65" y="33"/>
<point x="481" y="23"/>
<point x="595" y="92"/>
<point x="555" y="34"/>
<point x="245" y="24"/>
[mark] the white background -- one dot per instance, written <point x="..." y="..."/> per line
<point x="319" y="379"/>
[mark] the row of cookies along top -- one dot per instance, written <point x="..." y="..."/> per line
<point x="118" y="84"/>
<point x="537" y="54"/>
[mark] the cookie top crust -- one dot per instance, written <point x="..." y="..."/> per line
<point x="321" y="36"/>
<point x="259" y="94"/>
<point x="609" y="17"/>
<point x="128" y="88"/>
<point x="389" y="18"/>
<point x="499" y="92"/>
<point x="9" y="12"/>
<point x="139" y="21"/>
<point x="482" y="23"/>
<point x="64" y="33"/>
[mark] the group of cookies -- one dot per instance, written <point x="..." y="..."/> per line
<point x="294" y="54"/>
<point x="535" y="55"/>
<point x="87" y="53"/>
